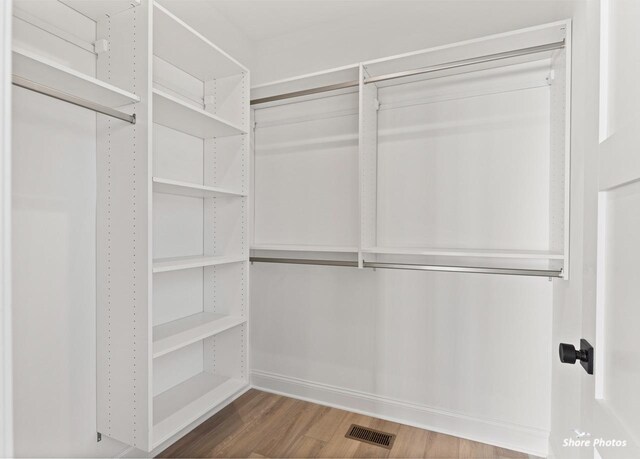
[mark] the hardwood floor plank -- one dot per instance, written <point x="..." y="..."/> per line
<point x="324" y="428"/>
<point x="263" y="425"/>
<point x="410" y="443"/>
<point x="475" y="450"/>
<point x="255" y="432"/>
<point x="305" y="447"/>
<point x="441" y="446"/>
<point x="297" y="421"/>
<point x="508" y="454"/>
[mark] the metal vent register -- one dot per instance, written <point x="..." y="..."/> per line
<point x="371" y="436"/>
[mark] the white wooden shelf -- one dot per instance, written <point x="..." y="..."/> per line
<point x="174" y="113"/>
<point x="182" y="332"/>
<point x="305" y="248"/>
<point x="98" y="9"/>
<point x="161" y="265"/>
<point x="180" y="45"/>
<point x="167" y="186"/>
<point x="48" y="73"/>
<point x="179" y="406"/>
<point x="470" y="253"/>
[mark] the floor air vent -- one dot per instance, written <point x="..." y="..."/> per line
<point x="371" y="436"/>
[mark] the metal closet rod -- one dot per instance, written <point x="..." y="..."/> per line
<point x="63" y="96"/>
<point x="441" y="268"/>
<point x="407" y="73"/>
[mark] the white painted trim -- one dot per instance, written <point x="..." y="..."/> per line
<point x="506" y="435"/>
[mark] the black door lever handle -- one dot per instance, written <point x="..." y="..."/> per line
<point x="569" y="354"/>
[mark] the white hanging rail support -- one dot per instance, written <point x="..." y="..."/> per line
<point x="409" y="266"/>
<point x="420" y="71"/>
<point x="63" y="96"/>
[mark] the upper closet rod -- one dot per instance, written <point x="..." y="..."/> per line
<point x="441" y="268"/>
<point x="407" y="73"/>
<point x="47" y="91"/>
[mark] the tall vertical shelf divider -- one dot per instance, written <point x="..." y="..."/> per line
<point x="173" y="247"/>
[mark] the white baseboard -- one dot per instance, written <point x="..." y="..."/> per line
<point x="511" y="436"/>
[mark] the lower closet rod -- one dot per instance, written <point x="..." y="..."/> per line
<point x="442" y="268"/>
<point x="63" y="96"/>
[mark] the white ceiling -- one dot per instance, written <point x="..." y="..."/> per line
<point x="265" y="19"/>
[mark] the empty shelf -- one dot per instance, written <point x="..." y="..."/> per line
<point x="173" y="264"/>
<point x="98" y="9"/>
<point x="305" y="248"/>
<point x="182" y="332"/>
<point x="167" y="186"/>
<point x="48" y="73"/>
<point x="180" y="45"/>
<point x="523" y="254"/>
<point x="179" y="406"/>
<point x="173" y="113"/>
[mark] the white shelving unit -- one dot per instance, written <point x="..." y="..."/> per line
<point x="304" y="248"/>
<point x="176" y="42"/>
<point x="183" y="404"/>
<point x="177" y="263"/>
<point x="193" y="190"/>
<point x="176" y="114"/>
<point x="173" y="249"/>
<point x="182" y="332"/>
<point x="46" y="72"/>
<point x="450" y="169"/>
<point x="520" y="254"/>
<point x="99" y="9"/>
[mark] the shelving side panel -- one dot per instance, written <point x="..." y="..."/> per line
<point x="368" y="164"/>
<point x="225" y="354"/>
<point x="226" y="219"/>
<point x="124" y="351"/>
<point x="224" y="98"/>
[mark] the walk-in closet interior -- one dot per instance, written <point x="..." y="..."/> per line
<point x="321" y="228"/>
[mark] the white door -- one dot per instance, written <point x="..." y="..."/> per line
<point x="611" y="400"/>
<point x="612" y="411"/>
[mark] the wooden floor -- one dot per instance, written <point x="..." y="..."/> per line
<point x="260" y="424"/>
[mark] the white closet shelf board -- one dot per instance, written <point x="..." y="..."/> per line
<point x="182" y="332"/>
<point x="310" y="81"/>
<point x="305" y="248"/>
<point x="97" y="9"/>
<point x="521" y="254"/>
<point x="475" y="48"/>
<point x="176" y="408"/>
<point x="180" y="45"/>
<point x="49" y="73"/>
<point x="194" y="190"/>
<point x="162" y="265"/>
<point x="173" y="113"/>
